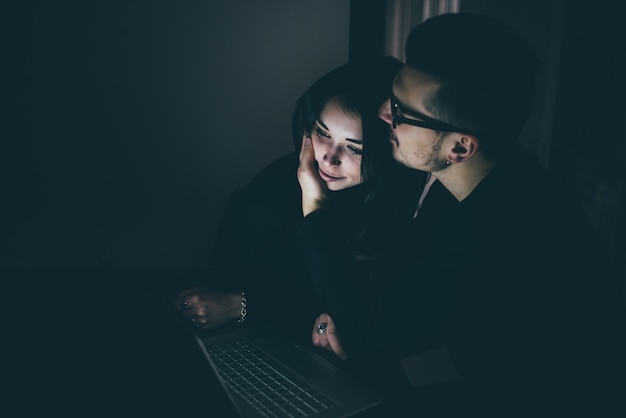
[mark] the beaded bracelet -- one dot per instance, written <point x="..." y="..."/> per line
<point x="243" y="308"/>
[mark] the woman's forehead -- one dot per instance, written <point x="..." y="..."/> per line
<point x="335" y="118"/>
<point x="336" y="106"/>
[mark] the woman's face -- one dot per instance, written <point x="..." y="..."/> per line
<point x="338" y="142"/>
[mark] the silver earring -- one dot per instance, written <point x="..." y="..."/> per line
<point x="447" y="162"/>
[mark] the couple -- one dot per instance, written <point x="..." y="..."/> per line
<point x="500" y="266"/>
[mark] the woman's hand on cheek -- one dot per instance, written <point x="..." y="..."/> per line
<point x="313" y="188"/>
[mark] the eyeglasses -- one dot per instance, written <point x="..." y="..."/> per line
<point x="424" y="122"/>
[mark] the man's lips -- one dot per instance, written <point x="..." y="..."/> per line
<point x="327" y="177"/>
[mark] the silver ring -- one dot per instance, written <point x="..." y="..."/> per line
<point x="321" y="327"/>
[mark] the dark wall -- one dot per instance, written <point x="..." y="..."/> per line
<point x="588" y="146"/>
<point x="131" y="122"/>
<point x="367" y="29"/>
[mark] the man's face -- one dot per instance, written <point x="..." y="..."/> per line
<point x="414" y="146"/>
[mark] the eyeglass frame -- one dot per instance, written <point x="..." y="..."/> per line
<point x="427" y="122"/>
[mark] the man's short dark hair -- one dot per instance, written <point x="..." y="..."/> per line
<point x="486" y="73"/>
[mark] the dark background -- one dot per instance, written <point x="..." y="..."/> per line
<point x="128" y="123"/>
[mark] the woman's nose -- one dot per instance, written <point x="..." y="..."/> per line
<point x="384" y="111"/>
<point x="332" y="156"/>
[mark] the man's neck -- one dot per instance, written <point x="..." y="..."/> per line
<point x="462" y="178"/>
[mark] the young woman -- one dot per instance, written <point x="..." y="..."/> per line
<point x="256" y="275"/>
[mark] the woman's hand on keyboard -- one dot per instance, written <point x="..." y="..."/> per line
<point x="208" y="309"/>
<point x="326" y="336"/>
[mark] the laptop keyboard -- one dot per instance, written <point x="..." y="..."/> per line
<point x="247" y="371"/>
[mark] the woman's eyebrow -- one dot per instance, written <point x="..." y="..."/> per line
<point x="354" y="141"/>
<point x="319" y="122"/>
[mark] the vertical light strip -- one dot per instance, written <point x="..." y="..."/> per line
<point x="438" y="7"/>
<point x="403" y="15"/>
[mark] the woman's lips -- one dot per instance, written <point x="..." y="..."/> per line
<point x="327" y="177"/>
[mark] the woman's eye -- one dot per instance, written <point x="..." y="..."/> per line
<point x="355" y="151"/>
<point x="321" y="133"/>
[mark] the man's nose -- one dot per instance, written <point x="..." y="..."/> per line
<point x="384" y="111"/>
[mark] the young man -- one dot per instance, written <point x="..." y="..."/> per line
<point x="514" y="283"/>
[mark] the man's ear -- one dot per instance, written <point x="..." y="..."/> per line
<point x="465" y="147"/>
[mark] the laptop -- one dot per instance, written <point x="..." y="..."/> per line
<point x="250" y="372"/>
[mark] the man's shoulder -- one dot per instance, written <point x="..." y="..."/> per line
<point x="525" y="182"/>
<point x="525" y="197"/>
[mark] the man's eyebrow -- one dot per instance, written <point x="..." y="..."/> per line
<point x="354" y="141"/>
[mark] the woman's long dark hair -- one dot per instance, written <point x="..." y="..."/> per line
<point x="360" y="87"/>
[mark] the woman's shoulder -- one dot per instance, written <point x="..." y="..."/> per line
<point x="276" y="181"/>
<point x="280" y="171"/>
